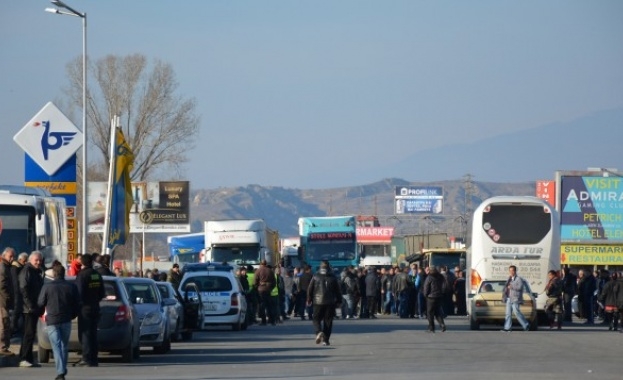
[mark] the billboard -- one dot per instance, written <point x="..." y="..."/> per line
<point x="546" y="190"/>
<point x="591" y="209"/>
<point x="159" y="207"/>
<point x="418" y="200"/>
<point x="375" y="235"/>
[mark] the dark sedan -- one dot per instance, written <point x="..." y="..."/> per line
<point x="118" y="328"/>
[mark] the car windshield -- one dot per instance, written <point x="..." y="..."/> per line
<point x="164" y="291"/>
<point x="498" y="287"/>
<point x="111" y="291"/>
<point x="141" y="293"/>
<point x="212" y="283"/>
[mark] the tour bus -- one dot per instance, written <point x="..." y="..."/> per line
<point x="32" y="220"/>
<point x="514" y="230"/>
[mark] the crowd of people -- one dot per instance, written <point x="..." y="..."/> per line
<point x="25" y="296"/>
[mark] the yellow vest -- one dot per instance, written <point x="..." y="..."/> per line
<point x="251" y="279"/>
<point x="275" y="291"/>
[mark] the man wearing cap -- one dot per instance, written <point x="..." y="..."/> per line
<point x="91" y="289"/>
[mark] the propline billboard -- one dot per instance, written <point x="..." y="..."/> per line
<point x="591" y="209"/>
<point x="419" y="200"/>
<point x="158" y="207"/>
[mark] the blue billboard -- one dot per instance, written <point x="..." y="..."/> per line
<point x="591" y="209"/>
<point x="418" y="200"/>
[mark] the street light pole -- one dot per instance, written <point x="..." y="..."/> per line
<point x="72" y="12"/>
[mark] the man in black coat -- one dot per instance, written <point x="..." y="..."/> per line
<point x="434" y="290"/>
<point x="373" y="286"/>
<point x="569" y="287"/>
<point x="324" y="295"/>
<point x="91" y="289"/>
<point x="7" y="298"/>
<point x="30" y="284"/>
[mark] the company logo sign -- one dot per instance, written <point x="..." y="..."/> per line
<point x="49" y="138"/>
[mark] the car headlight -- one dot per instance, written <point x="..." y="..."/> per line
<point x="152" y="319"/>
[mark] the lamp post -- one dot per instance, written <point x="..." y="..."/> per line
<point x="72" y="12"/>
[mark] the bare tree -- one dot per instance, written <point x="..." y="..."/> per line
<point x="159" y="125"/>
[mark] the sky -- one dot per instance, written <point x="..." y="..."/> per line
<point x="301" y="93"/>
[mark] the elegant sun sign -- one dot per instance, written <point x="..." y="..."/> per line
<point x="49" y="138"/>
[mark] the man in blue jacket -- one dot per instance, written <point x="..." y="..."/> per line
<point x="61" y="301"/>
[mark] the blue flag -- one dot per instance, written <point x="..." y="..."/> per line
<point x="121" y="196"/>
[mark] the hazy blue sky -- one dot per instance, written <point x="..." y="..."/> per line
<point x="301" y="93"/>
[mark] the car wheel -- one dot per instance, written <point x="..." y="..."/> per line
<point x="187" y="335"/>
<point x="127" y="354"/>
<point x="244" y="325"/>
<point x="473" y="325"/>
<point x="176" y="334"/>
<point x="136" y="352"/>
<point x="43" y="355"/>
<point x="236" y="326"/>
<point x="165" y="346"/>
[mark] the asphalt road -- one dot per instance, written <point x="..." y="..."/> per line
<point x="386" y="348"/>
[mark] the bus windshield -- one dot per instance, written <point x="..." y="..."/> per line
<point x="239" y="254"/>
<point x="512" y="224"/>
<point x="17" y="227"/>
<point x="331" y="250"/>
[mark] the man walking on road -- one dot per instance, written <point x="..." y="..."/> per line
<point x="435" y="286"/>
<point x="513" y="297"/>
<point x="61" y="301"/>
<point x="324" y="295"/>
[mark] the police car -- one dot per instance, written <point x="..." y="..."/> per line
<point x="223" y="298"/>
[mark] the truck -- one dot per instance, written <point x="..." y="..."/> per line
<point x="240" y="242"/>
<point x="290" y="252"/>
<point x="186" y="248"/>
<point x="329" y="238"/>
<point x="440" y="257"/>
<point x="377" y="262"/>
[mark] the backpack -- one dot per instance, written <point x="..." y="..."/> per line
<point x="351" y="285"/>
<point x="445" y="286"/>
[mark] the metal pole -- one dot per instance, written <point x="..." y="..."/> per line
<point x="85" y="221"/>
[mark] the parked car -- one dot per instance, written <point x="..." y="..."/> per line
<point x="487" y="306"/>
<point x="117" y="331"/>
<point x="175" y="310"/>
<point x="222" y="297"/>
<point x="151" y="308"/>
<point x="185" y="314"/>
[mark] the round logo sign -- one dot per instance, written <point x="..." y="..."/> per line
<point x="146" y="217"/>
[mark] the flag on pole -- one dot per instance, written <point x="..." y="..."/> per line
<point x="121" y="200"/>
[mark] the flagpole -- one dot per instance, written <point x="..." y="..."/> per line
<point x="111" y="173"/>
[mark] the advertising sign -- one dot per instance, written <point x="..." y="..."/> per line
<point x="419" y="200"/>
<point x="378" y="235"/>
<point x="571" y="254"/>
<point x="159" y="207"/>
<point x="591" y="209"/>
<point x="546" y="190"/>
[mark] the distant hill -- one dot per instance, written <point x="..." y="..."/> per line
<point x="282" y="207"/>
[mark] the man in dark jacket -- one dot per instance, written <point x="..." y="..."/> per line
<point x="17" y="325"/>
<point x="302" y="284"/>
<point x="373" y="287"/>
<point x="569" y="285"/>
<point x="30" y="284"/>
<point x="324" y="296"/>
<point x="91" y="289"/>
<point x="402" y="288"/>
<point x="7" y="296"/>
<point x="434" y="291"/>
<point x="265" y="281"/>
<point x="586" y="295"/>
<point x="61" y="301"/>
<point x="104" y="265"/>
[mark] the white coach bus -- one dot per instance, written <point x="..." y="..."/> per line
<point x="33" y="220"/>
<point x="514" y="230"/>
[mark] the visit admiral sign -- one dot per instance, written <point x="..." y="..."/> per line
<point x="49" y="138"/>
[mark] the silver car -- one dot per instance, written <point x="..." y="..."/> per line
<point x="175" y="311"/>
<point x="151" y="309"/>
